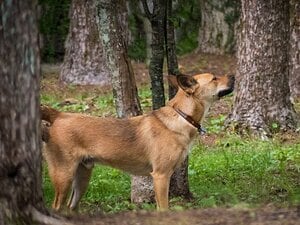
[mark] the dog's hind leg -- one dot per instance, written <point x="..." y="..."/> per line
<point x="80" y="182"/>
<point x="61" y="177"/>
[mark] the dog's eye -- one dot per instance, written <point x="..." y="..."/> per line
<point x="214" y="78"/>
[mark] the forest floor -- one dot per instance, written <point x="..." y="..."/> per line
<point x="212" y="216"/>
<point x="263" y="215"/>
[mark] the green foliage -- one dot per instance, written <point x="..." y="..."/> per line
<point x="145" y="95"/>
<point x="215" y="125"/>
<point x="239" y="171"/>
<point x="186" y="19"/>
<point x="54" y="26"/>
<point x="109" y="189"/>
<point x="137" y="50"/>
<point x="187" y="43"/>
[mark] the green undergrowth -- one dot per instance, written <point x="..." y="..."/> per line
<point x="245" y="171"/>
<point x="230" y="171"/>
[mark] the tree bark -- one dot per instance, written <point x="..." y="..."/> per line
<point x="218" y="24"/>
<point x="113" y="31"/>
<point x="294" y="80"/>
<point x="84" y="61"/>
<point x="262" y="100"/>
<point x="157" y="20"/>
<point x="20" y="147"/>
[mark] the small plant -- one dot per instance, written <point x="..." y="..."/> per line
<point x="215" y="125"/>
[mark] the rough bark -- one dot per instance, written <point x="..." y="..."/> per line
<point x="20" y="154"/>
<point x="84" y="61"/>
<point x="112" y="28"/>
<point x="142" y="189"/>
<point x="218" y="24"/>
<point x="294" y="80"/>
<point x="262" y="100"/>
<point x="157" y="20"/>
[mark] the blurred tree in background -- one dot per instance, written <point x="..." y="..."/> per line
<point x="54" y="27"/>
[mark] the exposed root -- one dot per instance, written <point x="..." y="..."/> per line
<point x="41" y="218"/>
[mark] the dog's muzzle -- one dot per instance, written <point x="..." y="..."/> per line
<point x="230" y="87"/>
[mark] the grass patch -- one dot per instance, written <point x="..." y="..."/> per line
<point x="236" y="171"/>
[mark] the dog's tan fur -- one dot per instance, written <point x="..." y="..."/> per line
<point x="152" y="144"/>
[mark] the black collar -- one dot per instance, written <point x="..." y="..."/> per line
<point x="191" y="121"/>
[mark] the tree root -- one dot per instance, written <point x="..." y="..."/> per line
<point x="41" y="218"/>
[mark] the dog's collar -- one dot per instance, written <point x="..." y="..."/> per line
<point x="191" y="121"/>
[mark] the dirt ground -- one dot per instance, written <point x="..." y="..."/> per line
<point x="213" y="216"/>
<point x="265" y="215"/>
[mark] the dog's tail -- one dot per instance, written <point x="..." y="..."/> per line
<point x="49" y="114"/>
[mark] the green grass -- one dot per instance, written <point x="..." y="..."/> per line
<point x="232" y="171"/>
<point x="236" y="171"/>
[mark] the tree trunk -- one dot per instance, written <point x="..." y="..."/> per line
<point x="113" y="31"/>
<point x="84" y="61"/>
<point x="20" y="147"/>
<point x="262" y="101"/>
<point x="157" y="20"/>
<point x="218" y="24"/>
<point x="294" y="80"/>
<point x="179" y="184"/>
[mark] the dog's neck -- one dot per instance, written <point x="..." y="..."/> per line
<point x="194" y="107"/>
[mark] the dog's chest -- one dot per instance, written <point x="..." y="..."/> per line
<point x="184" y="154"/>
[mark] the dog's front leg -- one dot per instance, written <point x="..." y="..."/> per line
<point x="161" y="188"/>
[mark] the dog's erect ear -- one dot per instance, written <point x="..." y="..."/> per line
<point x="187" y="83"/>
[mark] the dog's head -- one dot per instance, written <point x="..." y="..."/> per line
<point x="204" y="86"/>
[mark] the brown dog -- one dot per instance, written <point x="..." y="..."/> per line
<point x="152" y="144"/>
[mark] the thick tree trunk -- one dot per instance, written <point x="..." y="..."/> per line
<point x="294" y="80"/>
<point x="20" y="147"/>
<point x="262" y="101"/>
<point x="112" y="28"/>
<point x="84" y="61"/>
<point x="218" y="23"/>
